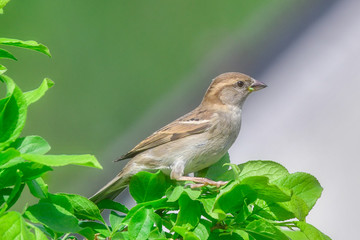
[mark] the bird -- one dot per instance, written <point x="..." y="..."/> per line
<point x="192" y="142"/>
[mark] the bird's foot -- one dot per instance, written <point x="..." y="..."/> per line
<point x="201" y="182"/>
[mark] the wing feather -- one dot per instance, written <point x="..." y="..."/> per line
<point x="193" y="123"/>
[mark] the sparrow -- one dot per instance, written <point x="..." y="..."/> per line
<point x="192" y="142"/>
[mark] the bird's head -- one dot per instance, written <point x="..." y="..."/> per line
<point x="231" y="88"/>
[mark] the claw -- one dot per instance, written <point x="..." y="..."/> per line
<point x="201" y="182"/>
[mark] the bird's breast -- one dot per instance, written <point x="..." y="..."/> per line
<point x="216" y="142"/>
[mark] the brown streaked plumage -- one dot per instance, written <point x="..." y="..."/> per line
<point x="180" y="128"/>
<point x="192" y="142"/>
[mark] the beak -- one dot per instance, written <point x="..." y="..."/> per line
<point x="257" y="85"/>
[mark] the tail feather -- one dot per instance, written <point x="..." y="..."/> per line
<point x="112" y="189"/>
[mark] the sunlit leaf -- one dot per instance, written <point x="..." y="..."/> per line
<point x="7" y="155"/>
<point x="83" y="208"/>
<point x="36" y="94"/>
<point x="3" y="3"/>
<point x="12" y="226"/>
<point x="261" y="229"/>
<point x="62" y="160"/>
<point x="269" y="169"/>
<point x="267" y="191"/>
<point x="304" y="185"/>
<point x="31" y="144"/>
<point x="3" y="69"/>
<point x="311" y="232"/>
<point x="141" y="224"/>
<point x="190" y="212"/>
<point x="26" y="44"/>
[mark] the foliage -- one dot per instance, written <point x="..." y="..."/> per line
<point x="262" y="200"/>
<point x="23" y="161"/>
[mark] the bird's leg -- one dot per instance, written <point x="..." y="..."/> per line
<point x="201" y="181"/>
<point x="177" y="173"/>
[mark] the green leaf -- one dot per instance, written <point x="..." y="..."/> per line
<point x="208" y="203"/>
<point x="243" y="234"/>
<point x="267" y="191"/>
<point x="59" y="200"/>
<point x="231" y="199"/>
<point x="4" y="193"/>
<point x="263" y="230"/>
<point x="156" y="234"/>
<point x="220" y="235"/>
<point x="7" y="155"/>
<point x="62" y="160"/>
<point x="110" y="204"/>
<point x="202" y="230"/>
<point x="303" y="185"/>
<point x="6" y="54"/>
<point x="269" y="169"/>
<point x="3" y="69"/>
<point x="272" y="211"/>
<point x="141" y="223"/>
<point x="16" y="191"/>
<point x="96" y="227"/>
<point x="31" y="145"/>
<point x="12" y="162"/>
<point x="190" y="212"/>
<point x="123" y="236"/>
<point x="30" y="171"/>
<point x="36" y="94"/>
<point x="83" y="207"/>
<point x="7" y="177"/>
<point x="116" y="221"/>
<point x="298" y="206"/>
<point x="39" y="235"/>
<point x="156" y="204"/>
<point x="26" y="44"/>
<point x="88" y="233"/>
<point x="174" y="193"/>
<point x="216" y="170"/>
<point x="12" y="226"/>
<point x="295" y="235"/>
<point x="3" y="3"/>
<point x="311" y="232"/>
<point x="243" y="213"/>
<point x="54" y="216"/>
<point x="12" y="113"/>
<point x="145" y="186"/>
<point x="38" y="188"/>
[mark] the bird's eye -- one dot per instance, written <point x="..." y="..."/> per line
<point x="240" y="83"/>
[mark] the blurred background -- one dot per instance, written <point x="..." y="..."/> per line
<point x="125" y="68"/>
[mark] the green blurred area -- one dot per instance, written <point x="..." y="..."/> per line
<point x="114" y="60"/>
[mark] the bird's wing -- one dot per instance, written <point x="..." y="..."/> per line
<point x="193" y="123"/>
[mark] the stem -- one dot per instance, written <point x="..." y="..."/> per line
<point x="65" y="236"/>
